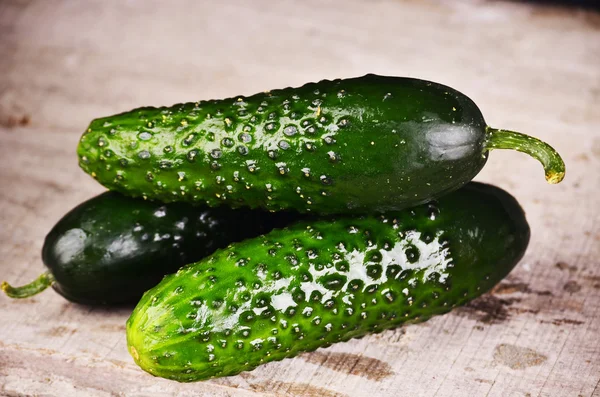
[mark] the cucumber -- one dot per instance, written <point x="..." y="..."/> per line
<point x="317" y="283"/>
<point x="367" y="144"/>
<point x="112" y="248"/>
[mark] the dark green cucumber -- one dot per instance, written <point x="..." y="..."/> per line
<point x="112" y="248"/>
<point x="314" y="284"/>
<point x="368" y="144"/>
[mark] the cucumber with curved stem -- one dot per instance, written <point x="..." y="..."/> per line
<point x="112" y="248"/>
<point x="316" y="283"/>
<point x="367" y="144"/>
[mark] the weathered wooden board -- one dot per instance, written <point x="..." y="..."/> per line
<point x="530" y="68"/>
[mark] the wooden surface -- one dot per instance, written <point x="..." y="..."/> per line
<point x="531" y="68"/>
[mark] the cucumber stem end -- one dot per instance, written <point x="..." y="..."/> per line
<point x="33" y="288"/>
<point x="554" y="166"/>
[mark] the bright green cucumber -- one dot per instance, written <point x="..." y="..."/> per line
<point x="314" y="284"/>
<point x="367" y="144"/>
<point x="112" y="248"/>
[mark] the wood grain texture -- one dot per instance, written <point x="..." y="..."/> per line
<point x="530" y="68"/>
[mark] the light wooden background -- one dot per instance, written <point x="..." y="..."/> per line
<point x="531" y="68"/>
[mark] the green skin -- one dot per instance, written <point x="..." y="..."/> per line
<point x="367" y="144"/>
<point x="112" y="248"/>
<point x="317" y="283"/>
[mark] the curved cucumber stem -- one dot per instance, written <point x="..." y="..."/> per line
<point x="554" y="167"/>
<point x="35" y="287"/>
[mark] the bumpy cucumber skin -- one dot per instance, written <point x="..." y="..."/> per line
<point x="314" y="284"/>
<point x="367" y="144"/>
<point x="112" y="248"/>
